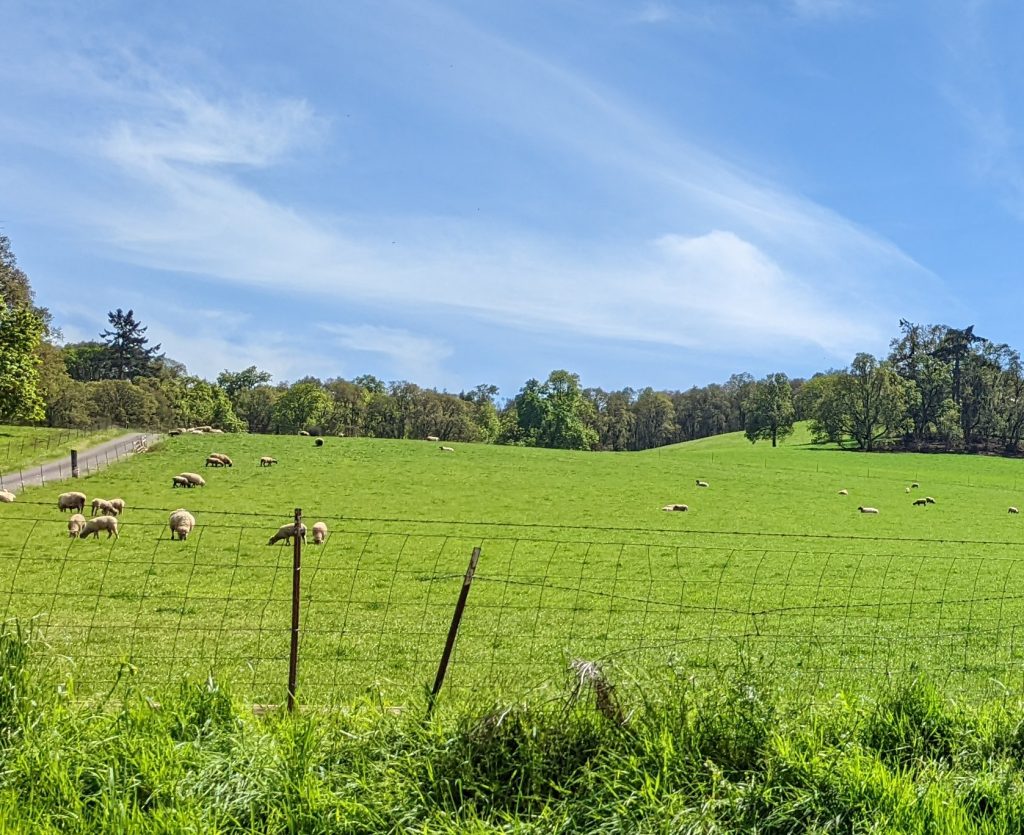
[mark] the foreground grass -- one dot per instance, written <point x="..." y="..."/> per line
<point x="22" y="447"/>
<point x="578" y="560"/>
<point x="722" y="754"/>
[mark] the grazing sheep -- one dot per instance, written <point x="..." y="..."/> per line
<point x="174" y="432"/>
<point x="216" y="431"/>
<point x="907" y="490"/>
<point x="194" y="479"/>
<point x="303" y="432"/>
<point x="104" y="505"/>
<point x="180" y="481"/>
<point x="286" y="532"/>
<point x="319" y="533"/>
<point x="117" y="505"/>
<point x="1012" y="509"/>
<point x="868" y="509"/>
<point x="318" y="442"/>
<point x="433" y="438"/>
<point x="181" y="522"/>
<point x="100" y="523"/>
<point x="6" y="496"/>
<point x="224" y="459"/>
<point x="214" y="462"/>
<point x="447" y="449"/>
<point x="915" y="485"/>
<point x="75" y="525"/>
<point x="702" y="483"/>
<point x="920" y="503"/>
<point x="844" y="492"/>
<point x="71" y="501"/>
<point x="681" y="507"/>
<point x="267" y="461"/>
<point x="929" y="499"/>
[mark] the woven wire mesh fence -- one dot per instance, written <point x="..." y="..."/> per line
<point x="376" y="608"/>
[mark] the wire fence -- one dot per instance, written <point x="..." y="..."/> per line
<point x="375" y="608"/>
<point x="90" y="461"/>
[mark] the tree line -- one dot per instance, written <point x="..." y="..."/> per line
<point x="939" y="388"/>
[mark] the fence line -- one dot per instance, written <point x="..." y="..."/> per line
<point x="376" y="608"/>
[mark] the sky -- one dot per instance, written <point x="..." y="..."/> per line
<point x="644" y="192"/>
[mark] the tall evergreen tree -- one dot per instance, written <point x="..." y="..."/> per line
<point x="128" y="352"/>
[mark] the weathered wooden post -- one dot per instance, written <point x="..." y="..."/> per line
<point x="74" y="463"/>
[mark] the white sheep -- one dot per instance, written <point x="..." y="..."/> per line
<point x="929" y="499"/>
<point x="286" y="532"/>
<point x="915" y="484"/>
<point x="1012" y="509"/>
<point x="267" y="461"/>
<point x="224" y="459"/>
<point x="906" y="489"/>
<point x="920" y="503"/>
<point x="319" y="533"/>
<point x="71" y="501"/>
<point x="194" y="479"/>
<point x="681" y="507"/>
<point x="6" y="496"/>
<point x="702" y="483"/>
<point x="433" y="438"/>
<point x="104" y="505"/>
<point x="181" y="523"/>
<point x="844" y="492"/>
<point x="213" y="461"/>
<point x="868" y="509"/>
<point x="100" y="523"/>
<point x="180" y="481"/>
<point x="447" y="449"/>
<point x="75" y="524"/>
<point x="117" y="505"/>
<point x="303" y="432"/>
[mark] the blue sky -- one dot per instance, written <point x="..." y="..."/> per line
<point x="647" y="193"/>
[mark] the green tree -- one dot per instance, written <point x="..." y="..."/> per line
<point x="21" y="331"/>
<point x="234" y="383"/>
<point x="303" y="406"/>
<point x="16" y="291"/>
<point x="567" y="419"/>
<point x="121" y="403"/>
<point x="769" y="409"/>
<point x="128" y="353"/>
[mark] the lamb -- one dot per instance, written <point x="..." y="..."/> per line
<point x="213" y="461"/>
<point x="929" y="499"/>
<point x="6" y="496"/>
<point x="1012" y="509"/>
<point x="868" y="509"/>
<point x="117" y="505"/>
<point x="318" y="442"/>
<point x="702" y="483"/>
<point x="75" y="525"/>
<point x="844" y="492"/>
<point x="104" y="505"/>
<point x="433" y="438"/>
<point x="71" y="501"/>
<point x="180" y="481"/>
<point x="267" y="461"/>
<point x="319" y="533"/>
<point x="447" y="449"/>
<point x="181" y="522"/>
<point x="286" y="532"/>
<point x="194" y="479"/>
<point x="225" y="460"/>
<point x="100" y="523"/>
<point x="920" y="503"/>
<point x="906" y="490"/>
<point x="681" y="507"/>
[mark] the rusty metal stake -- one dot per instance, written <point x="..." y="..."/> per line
<point x="293" y="657"/>
<point x="453" y="631"/>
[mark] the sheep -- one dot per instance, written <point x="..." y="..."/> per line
<point x="216" y="431"/>
<point x="318" y="442"/>
<point x="702" y="483"/>
<point x="100" y="523"/>
<point x="906" y="489"/>
<point x="225" y="460"/>
<point x="286" y="532"/>
<point x="681" y="507"/>
<point x="447" y="449"/>
<point x="117" y="505"/>
<point x="174" y="432"/>
<point x="920" y="503"/>
<point x="303" y="432"/>
<point x="929" y="499"/>
<point x="180" y="481"/>
<point x="319" y="533"/>
<point x="104" y="505"/>
<point x="844" y="492"/>
<point x="1012" y="509"/>
<point x="194" y="479"/>
<point x="267" y="461"/>
<point x="915" y="485"/>
<point x="75" y="525"/>
<point x="6" y="496"/>
<point x="71" y="501"/>
<point x="211" y="461"/>
<point x="868" y="509"/>
<point x="181" y="523"/>
<point x="433" y="438"/>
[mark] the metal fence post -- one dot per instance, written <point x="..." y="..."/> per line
<point x="453" y="631"/>
<point x="293" y="656"/>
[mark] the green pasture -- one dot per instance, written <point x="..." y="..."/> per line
<point x="22" y="447"/>
<point x="770" y="566"/>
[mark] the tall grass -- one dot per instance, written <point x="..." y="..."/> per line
<point x="725" y="754"/>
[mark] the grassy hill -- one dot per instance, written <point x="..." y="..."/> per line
<point x="578" y="559"/>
